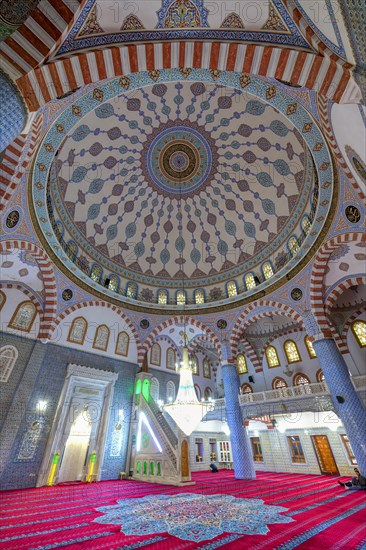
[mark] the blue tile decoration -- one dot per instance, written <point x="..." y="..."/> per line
<point x="13" y="112"/>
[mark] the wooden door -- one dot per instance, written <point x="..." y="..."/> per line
<point x="184" y="458"/>
<point x="324" y="455"/>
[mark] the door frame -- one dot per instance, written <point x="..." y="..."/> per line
<point x="317" y="453"/>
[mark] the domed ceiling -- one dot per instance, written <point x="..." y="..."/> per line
<point x="180" y="184"/>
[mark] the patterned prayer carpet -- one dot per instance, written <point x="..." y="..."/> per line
<point x="299" y="511"/>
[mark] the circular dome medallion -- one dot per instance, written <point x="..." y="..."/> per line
<point x="180" y="158"/>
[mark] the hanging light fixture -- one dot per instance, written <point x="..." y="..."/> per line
<point x="186" y="411"/>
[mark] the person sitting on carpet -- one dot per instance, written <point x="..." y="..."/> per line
<point x="357" y="482"/>
<point x="214" y="468"/>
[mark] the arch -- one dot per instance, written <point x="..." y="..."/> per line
<point x="31" y="295"/>
<point x="122" y="344"/>
<point x="279" y="383"/>
<point x="49" y="283"/>
<point x="341" y="287"/>
<point x="114" y="282"/>
<point x="249" y="281"/>
<point x="195" y="365"/>
<point x="8" y="358"/>
<point x="206" y="368"/>
<point x="96" y="303"/>
<point x="162" y="296"/>
<point x="181" y="297"/>
<point x="246" y="388"/>
<point x="171" y="358"/>
<point x="170" y="391"/>
<point x="198" y="391"/>
<point x="310" y="348"/>
<point x="199" y="296"/>
<point x="350" y="320"/>
<point x="272" y="357"/>
<point x="318" y="275"/>
<point x="207" y="393"/>
<point x="231" y="289"/>
<point x="300" y="379"/>
<point x="101" y="338"/>
<point x="255" y="311"/>
<point x="180" y="320"/>
<point x="2" y="299"/>
<point x="154" y="389"/>
<point x="291" y="351"/>
<point x="320" y="376"/>
<point x="155" y="355"/>
<point x="78" y="330"/>
<point x="24" y="316"/>
<point x="267" y="270"/>
<point x="241" y="364"/>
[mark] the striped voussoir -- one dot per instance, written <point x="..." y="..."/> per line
<point x="314" y="71"/>
<point x="355" y="315"/>
<point x="5" y="285"/>
<point x="49" y="282"/>
<point x="17" y="157"/>
<point x="181" y="320"/>
<point x="317" y="279"/>
<point x="101" y="303"/>
<point x="324" y="114"/>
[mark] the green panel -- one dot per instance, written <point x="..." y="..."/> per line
<point x="138" y="467"/>
<point x="138" y="387"/>
<point x="159" y="469"/>
<point x="146" y="389"/>
<point x="151" y="468"/>
<point x="145" y="468"/>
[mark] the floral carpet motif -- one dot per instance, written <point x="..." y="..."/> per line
<point x="191" y="516"/>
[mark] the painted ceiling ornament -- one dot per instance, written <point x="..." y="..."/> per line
<point x="353" y="214"/>
<point x="232" y="21"/>
<point x="274" y="21"/>
<point x="132" y="23"/>
<point x="177" y="14"/>
<point x="91" y="25"/>
<point x="191" y="517"/>
<point x="357" y="162"/>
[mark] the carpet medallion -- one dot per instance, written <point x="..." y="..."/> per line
<point x="192" y="517"/>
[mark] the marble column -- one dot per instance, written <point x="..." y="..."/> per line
<point x="240" y="443"/>
<point x="347" y="403"/>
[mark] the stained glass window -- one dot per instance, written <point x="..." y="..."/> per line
<point x="292" y="353"/>
<point x="359" y="330"/>
<point x="297" y="454"/>
<point x="279" y="383"/>
<point x="170" y="359"/>
<point x="96" y="273"/>
<point x="156" y="355"/>
<point x="246" y="388"/>
<point x="267" y="270"/>
<point x="162" y="297"/>
<point x="113" y="283"/>
<point x="123" y="342"/>
<point x="24" y="316"/>
<point x="181" y="297"/>
<point x="8" y="357"/>
<point x="301" y="380"/>
<point x="131" y="290"/>
<point x="249" y="281"/>
<point x="198" y="392"/>
<point x="272" y="357"/>
<point x="310" y="347"/>
<point x="154" y="389"/>
<point x="208" y="393"/>
<point x="293" y="246"/>
<point x="242" y="364"/>
<point x="195" y="365"/>
<point x="320" y="376"/>
<point x="101" y="338"/>
<point x="2" y="299"/>
<point x="206" y="368"/>
<point x="306" y="224"/>
<point x="78" y="330"/>
<point x="232" y="289"/>
<point x="199" y="297"/>
<point x="170" y="391"/>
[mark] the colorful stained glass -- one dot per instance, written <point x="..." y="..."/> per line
<point x="24" y="316"/>
<point x="279" y="383"/>
<point x="206" y="368"/>
<point x="292" y="353"/>
<point x="310" y="347"/>
<point x="293" y="246"/>
<point x="195" y="365"/>
<point x="272" y="357"/>
<point x="113" y="283"/>
<point x="246" y="388"/>
<point x="78" y="330"/>
<point x="123" y="342"/>
<point x="156" y="355"/>
<point x="181" y="297"/>
<point x="301" y="380"/>
<point x="249" y="281"/>
<point x="359" y="330"/>
<point x="267" y="270"/>
<point x="96" y="273"/>
<point x="306" y="224"/>
<point x="232" y="289"/>
<point x="170" y="358"/>
<point x="199" y="297"/>
<point x="162" y="297"/>
<point x="242" y="364"/>
<point x="101" y="338"/>
<point x="131" y="291"/>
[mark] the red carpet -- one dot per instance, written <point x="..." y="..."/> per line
<point x="326" y="516"/>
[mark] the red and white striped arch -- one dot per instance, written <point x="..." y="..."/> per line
<point x="181" y="320"/>
<point x="318" y="274"/>
<point x="30" y="295"/>
<point x="101" y="303"/>
<point x="249" y="316"/>
<point x="342" y="287"/>
<point x="317" y="72"/>
<point x="351" y="319"/>
<point x="15" y="162"/>
<point x="49" y="282"/>
<point x="323" y="106"/>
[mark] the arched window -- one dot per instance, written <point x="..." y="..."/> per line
<point x="113" y="283"/>
<point x="278" y="383"/>
<point x="8" y="357"/>
<point x="198" y="392"/>
<point x="232" y="289"/>
<point x="249" y="281"/>
<point x="101" y="338"/>
<point x="154" y="389"/>
<point x="156" y="355"/>
<point x="208" y="393"/>
<point x="206" y="368"/>
<point x="246" y="388"/>
<point x="241" y="364"/>
<point x="162" y="297"/>
<point x="72" y="250"/>
<point x="23" y="317"/>
<point x="131" y="290"/>
<point x="123" y="342"/>
<point x="292" y="353"/>
<point x="310" y="347"/>
<point x="171" y="358"/>
<point x="199" y="296"/>
<point x="170" y="391"/>
<point x="272" y="357"/>
<point x="78" y="331"/>
<point x="293" y="246"/>
<point x="320" y="376"/>
<point x="359" y="330"/>
<point x="181" y="297"/>
<point x="96" y="273"/>
<point x="195" y="365"/>
<point x="267" y="270"/>
<point x="2" y="300"/>
<point x="306" y="224"/>
<point x="301" y="380"/>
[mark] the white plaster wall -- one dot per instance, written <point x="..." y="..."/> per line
<point x="13" y="299"/>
